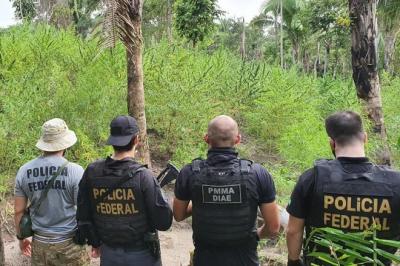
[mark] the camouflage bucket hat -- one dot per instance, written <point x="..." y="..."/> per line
<point x="56" y="136"/>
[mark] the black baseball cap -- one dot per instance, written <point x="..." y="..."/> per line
<point x="122" y="129"/>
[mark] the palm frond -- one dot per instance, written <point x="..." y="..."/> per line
<point x="118" y="24"/>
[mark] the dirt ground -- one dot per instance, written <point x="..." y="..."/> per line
<point x="176" y="244"/>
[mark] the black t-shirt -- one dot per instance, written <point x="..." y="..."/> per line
<point x="245" y="255"/>
<point x="301" y="198"/>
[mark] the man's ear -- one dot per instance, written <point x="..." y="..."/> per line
<point x="365" y="137"/>
<point x="136" y="140"/>
<point x="206" y="139"/>
<point x="332" y="144"/>
<point x="238" y="139"/>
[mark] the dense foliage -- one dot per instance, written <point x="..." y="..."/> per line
<point x="46" y="73"/>
<point x="194" y="19"/>
<point x="350" y="248"/>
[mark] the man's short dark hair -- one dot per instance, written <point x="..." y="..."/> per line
<point x="344" y="127"/>
<point x="127" y="147"/>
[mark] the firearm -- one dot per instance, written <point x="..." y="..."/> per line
<point x="152" y="242"/>
<point x="151" y="239"/>
<point x="167" y="175"/>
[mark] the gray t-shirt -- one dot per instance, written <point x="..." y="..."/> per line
<point x="56" y="215"/>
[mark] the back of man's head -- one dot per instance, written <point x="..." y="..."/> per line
<point x="123" y="132"/>
<point x="345" y="127"/>
<point x="223" y="132"/>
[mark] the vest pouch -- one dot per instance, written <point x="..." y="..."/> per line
<point x="25" y="225"/>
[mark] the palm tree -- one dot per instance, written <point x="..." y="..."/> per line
<point x="389" y="22"/>
<point x="365" y="72"/>
<point x="286" y="14"/>
<point x="123" y="21"/>
<point x="2" y="257"/>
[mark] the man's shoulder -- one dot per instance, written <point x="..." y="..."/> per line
<point x="75" y="166"/>
<point x="258" y="169"/>
<point x="31" y="163"/>
<point x="191" y="167"/>
<point x="28" y="165"/>
<point x="145" y="172"/>
<point x="97" y="163"/>
<point x="392" y="174"/>
<point x="307" y="174"/>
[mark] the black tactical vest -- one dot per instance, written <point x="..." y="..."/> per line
<point x="352" y="202"/>
<point x="224" y="204"/>
<point x="120" y="218"/>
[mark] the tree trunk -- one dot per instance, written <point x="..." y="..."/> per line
<point x="169" y="22"/>
<point x="365" y="74"/>
<point x="2" y="257"/>
<point x="282" y="62"/>
<point x="326" y="58"/>
<point x="243" y="42"/>
<point x="390" y="46"/>
<point x="136" y="103"/>
<point x="317" y="60"/>
<point x="306" y="66"/>
<point x="276" y="31"/>
<point x="335" y="67"/>
<point x="295" y="52"/>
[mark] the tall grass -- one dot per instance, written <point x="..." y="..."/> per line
<point x="45" y="73"/>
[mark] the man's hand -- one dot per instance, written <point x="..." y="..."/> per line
<point x="25" y="247"/>
<point x="295" y="262"/>
<point x="95" y="252"/>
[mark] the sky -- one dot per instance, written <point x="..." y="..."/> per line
<point x="240" y="8"/>
<point x="234" y="8"/>
<point x="6" y="14"/>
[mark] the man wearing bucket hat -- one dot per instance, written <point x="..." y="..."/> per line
<point x="50" y="183"/>
<point x="120" y="203"/>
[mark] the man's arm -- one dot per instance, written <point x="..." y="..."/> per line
<point x="266" y="201"/>
<point x="182" y="209"/>
<point x="159" y="210"/>
<point x="298" y="212"/>
<point x="270" y="214"/>
<point x="20" y="204"/>
<point x="86" y="232"/>
<point x="182" y="205"/>
<point x="294" y="237"/>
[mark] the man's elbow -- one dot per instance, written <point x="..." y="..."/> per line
<point x="292" y="232"/>
<point x="274" y="229"/>
<point x="179" y="217"/>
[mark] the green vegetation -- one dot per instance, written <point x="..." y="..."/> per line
<point x="350" y="248"/>
<point x="47" y="73"/>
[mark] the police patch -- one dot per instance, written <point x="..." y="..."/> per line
<point x="228" y="194"/>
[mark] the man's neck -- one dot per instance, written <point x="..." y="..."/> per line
<point x="57" y="153"/>
<point x="124" y="154"/>
<point x="355" y="151"/>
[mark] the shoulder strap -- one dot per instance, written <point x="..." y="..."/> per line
<point x="245" y="166"/>
<point x="50" y="183"/>
<point x="196" y="165"/>
<point x="131" y="173"/>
